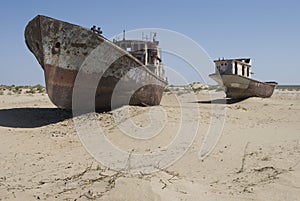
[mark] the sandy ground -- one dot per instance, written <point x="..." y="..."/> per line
<point x="256" y="158"/>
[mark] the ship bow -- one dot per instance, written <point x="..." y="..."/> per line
<point x="33" y="38"/>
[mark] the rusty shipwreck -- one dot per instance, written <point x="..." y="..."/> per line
<point x="64" y="49"/>
<point x="234" y="75"/>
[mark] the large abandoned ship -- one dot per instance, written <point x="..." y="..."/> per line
<point x="234" y="76"/>
<point x="62" y="48"/>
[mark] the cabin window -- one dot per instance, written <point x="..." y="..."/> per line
<point x="142" y="46"/>
<point x="243" y="70"/>
<point x="122" y="45"/>
<point x="235" y="68"/>
<point x="139" y="58"/>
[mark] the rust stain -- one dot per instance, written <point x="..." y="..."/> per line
<point x="61" y="49"/>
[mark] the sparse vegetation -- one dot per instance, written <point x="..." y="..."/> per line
<point x="195" y="87"/>
<point x="2" y="89"/>
<point x="266" y="158"/>
<point x="31" y="90"/>
<point x="166" y="90"/>
<point x="213" y="87"/>
<point x="17" y="90"/>
<point x="40" y="88"/>
<point x="13" y="89"/>
<point x="98" y="167"/>
<point x="9" y="88"/>
<point x="288" y="87"/>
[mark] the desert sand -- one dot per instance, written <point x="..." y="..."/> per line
<point x="257" y="156"/>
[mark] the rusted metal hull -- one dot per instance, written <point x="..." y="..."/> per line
<point x="62" y="49"/>
<point x="236" y="86"/>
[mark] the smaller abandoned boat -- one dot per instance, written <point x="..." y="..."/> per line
<point x="234" y="75"/>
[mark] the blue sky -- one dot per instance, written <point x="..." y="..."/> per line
<point x="266" y="31"/>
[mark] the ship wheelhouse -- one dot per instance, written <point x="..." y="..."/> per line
<point x="240" y="67"/>
<point x="146" y="52"/>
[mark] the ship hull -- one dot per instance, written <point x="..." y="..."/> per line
<point x="64" y="51"/>
<point x="236" y="86"/>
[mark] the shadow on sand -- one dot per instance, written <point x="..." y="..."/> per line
<point x="222" y="101"/>
<point x="32" y="117"/>
<point x="37" y="117"/>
